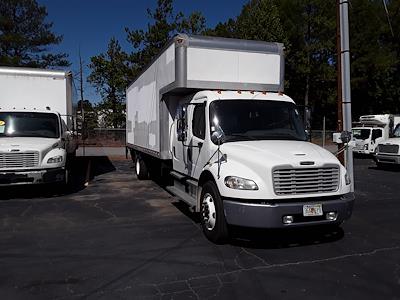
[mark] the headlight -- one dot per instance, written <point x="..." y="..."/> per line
<point x="239" y="183"/>
<point x="55" y="159"/>
<point x="347" y="179"/>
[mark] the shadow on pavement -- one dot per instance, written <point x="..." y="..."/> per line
<point x="273" y="238"/>
<point x="285" y="238"/>
<point x="389" y="168"/>
<point x="82" y="169"/>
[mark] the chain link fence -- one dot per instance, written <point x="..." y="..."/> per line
<point x="105" y="137"/>
<point x="324" y="139"/>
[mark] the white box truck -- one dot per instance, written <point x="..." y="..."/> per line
<point x="211" y="113"/>
<point x="372" y="130"/>
<point x="36" y="136"/>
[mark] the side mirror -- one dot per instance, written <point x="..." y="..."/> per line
<point x="218" y="136"/>
<point x="345" y="136"/>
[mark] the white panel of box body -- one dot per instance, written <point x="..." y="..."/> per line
<point x="233" y="66"/>
<point x="35" y="92"/>
<point x="143" y="100"/>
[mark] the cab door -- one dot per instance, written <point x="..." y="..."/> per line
<point x="377" y="137"/>
<point x="196" y="150"/>
<point x="179" y="140"/>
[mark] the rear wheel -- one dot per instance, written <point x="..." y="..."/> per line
<point x="141" y="170"/>
<point x="212" y="214"/>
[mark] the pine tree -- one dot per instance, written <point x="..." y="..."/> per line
<point x="25" y="36"/>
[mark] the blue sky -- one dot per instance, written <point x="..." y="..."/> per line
<point x="89" y="24"/>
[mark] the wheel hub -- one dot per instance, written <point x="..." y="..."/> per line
<point x="209" y="212"/>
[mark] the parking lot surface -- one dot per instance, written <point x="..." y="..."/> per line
<point x="120" y="238"/>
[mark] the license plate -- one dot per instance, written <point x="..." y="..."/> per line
<point x="312" y="210"/>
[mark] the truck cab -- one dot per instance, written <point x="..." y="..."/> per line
<point x="261" y="171"/>
<point x="366" y="139"/>
<point x="33" y="147"/>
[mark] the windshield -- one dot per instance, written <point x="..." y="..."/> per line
<point x="257" y="120"/>
<point x="24" y="124"/>
<point x="396" y="132"/>
<point x="361" y="134"/>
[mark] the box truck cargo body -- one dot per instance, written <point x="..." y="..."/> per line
<point x="210" y="113"/>
<point x="36" y="122"/>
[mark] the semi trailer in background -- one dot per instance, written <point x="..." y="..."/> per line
<point x="36" y="126"/>
<point x="209" y="114"/>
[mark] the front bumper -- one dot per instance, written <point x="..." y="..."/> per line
<point x="267" y="214"/>
<point x="361" y="151"/>
<point x="8" y="178"/>
<point x="388" y="158"/>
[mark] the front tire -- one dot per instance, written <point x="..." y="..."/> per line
<point x="212" y="214"/>
<point x="141" y="169"/>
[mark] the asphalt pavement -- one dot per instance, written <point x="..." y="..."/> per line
<point x="111" y="236"/>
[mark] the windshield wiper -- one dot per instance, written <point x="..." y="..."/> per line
<point x="285" y="136"/>
<point x="241" y="136"/>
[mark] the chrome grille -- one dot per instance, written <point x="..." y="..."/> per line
<point x="12" y="160"/>
<point x="388" y="148"/>
<point x="306" y="181"/>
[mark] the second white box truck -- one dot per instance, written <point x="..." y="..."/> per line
<point x="36" y="126"/>
<point x="211" y="113"/>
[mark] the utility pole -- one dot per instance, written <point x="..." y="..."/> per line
<point x="345" y="79"/>
<point x="339" y="127"/>
<point x="81" y="92"/>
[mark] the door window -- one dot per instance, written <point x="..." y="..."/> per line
<point x="376" y="133"/>
<point x="199" y="122"/>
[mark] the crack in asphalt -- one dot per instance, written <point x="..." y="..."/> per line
<point x="264" y="267"/>
<point x="190" y="287"/>
<point x="110" y="213"/>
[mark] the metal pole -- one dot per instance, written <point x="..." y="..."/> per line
<point x="339" y="80"/>
<point x="346" y="91"/>
<point x="323" y="132"/>
<point x="82" y="108"/>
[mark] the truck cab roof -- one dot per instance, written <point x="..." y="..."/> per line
<point x="28" y="110"/>
<point x="242" y="95"/>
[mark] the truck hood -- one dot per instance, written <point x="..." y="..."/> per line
<point x="394" y="141"/>
<point x="274" y="153"/>
<point x="26" y="143"/>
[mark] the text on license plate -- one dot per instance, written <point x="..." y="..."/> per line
<point x="312" y="210"/>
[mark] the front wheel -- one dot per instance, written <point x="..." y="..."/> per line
<point x="212" y="214"/>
